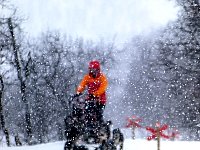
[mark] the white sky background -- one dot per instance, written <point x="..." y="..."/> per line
<point x="95" y="19"/>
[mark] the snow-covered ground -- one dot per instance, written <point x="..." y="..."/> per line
<point x="139" y="144"/>
<point x="129" y="144"/>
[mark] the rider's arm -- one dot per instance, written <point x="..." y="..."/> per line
<point x="103" y="86"/>
<point x="82" y="85"/>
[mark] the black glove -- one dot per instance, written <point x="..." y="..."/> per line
<point x="91" y="96"/>
<point x="77" y="95"/>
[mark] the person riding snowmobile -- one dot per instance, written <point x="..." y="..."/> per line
<point x="96" y="83"/>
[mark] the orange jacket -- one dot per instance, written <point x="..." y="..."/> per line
<point x="95" y="86"/>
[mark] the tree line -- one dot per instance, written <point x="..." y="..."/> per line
<point x="167" y="69"/>
<point x="37" y="78"/>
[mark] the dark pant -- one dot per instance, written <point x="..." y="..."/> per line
<point x="99" y="112"/>
<point x="90" y="112"/>
<point x="94" y="112"/>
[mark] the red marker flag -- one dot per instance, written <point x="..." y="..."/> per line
<point x="158" y="131"/>
<point x="133" y="122"/>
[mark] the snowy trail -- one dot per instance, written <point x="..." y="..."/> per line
<point x="128" y="145"/>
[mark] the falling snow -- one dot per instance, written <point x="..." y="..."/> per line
<point x="150" y="55"/>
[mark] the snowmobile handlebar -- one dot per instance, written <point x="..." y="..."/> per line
<point x="77" y="95"/>
<point x="72" y="97"/>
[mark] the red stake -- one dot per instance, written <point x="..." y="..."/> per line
<point x="133" y="122"/>
<point x="157" y="133"/>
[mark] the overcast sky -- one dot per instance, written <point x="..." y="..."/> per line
<point x="94" y="19"/>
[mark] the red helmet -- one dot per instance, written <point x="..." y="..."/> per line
<point x="94" y="65"/>
<point x="94" y="69"/>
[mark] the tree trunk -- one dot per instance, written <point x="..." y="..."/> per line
<point x="1" y="113"/>
<point x="22" y="83"/>
<point x="7" y="137"/>
<point x="1" y="104"/>
<point x="17" y="141"/>
<point x="60" y="132"/>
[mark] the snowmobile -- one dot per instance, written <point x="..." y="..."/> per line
<point x="80" y="129"/>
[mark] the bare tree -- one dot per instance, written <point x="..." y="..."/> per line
<point x="22" y="74"/>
